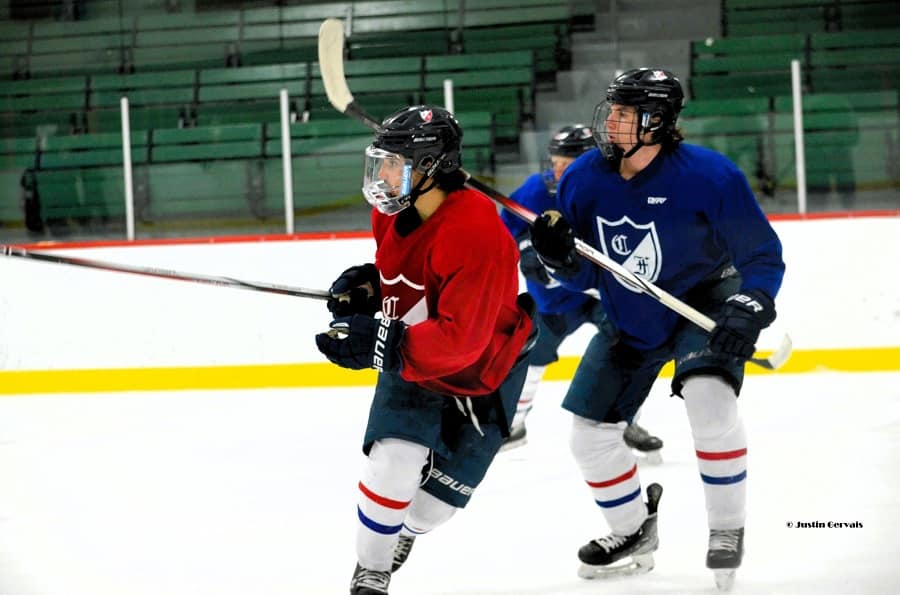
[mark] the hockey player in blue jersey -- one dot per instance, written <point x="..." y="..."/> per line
<point x="684" y="218"/>
<point x="560" y="311"/>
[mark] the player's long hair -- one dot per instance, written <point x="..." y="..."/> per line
<point x="450" y="181"/>
<point x="671" y="140"/>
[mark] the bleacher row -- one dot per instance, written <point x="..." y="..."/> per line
<point x="849" y="53"/>
<point x="218" y="104"/>
<point x="760" y="65"/>
<point x="231" y="171"/>
<point x="255" y="36"/>
<point x="504" y="81"/>
<point x="203" y="94"/>
<point x="201" y="122"/>
<point x="849" y="137"/>
<point x="742" y="18"/>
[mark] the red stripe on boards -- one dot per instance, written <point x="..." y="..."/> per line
<point x="242" y="239"/>
<point x="381" y="500"/>
<point x="605" y="484"/>
<point x="349" y="235"/>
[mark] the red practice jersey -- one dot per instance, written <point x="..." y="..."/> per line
<point x="454" y="280"/>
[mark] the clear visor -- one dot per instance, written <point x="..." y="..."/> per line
<point x="615" y="128"/>
<point x="387" y="180"/>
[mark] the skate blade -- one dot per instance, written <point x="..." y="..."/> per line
<point x="724" y="579"/>
<point x="639" y="564"/>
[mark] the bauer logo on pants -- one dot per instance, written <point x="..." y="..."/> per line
<point x="634" y="246"/>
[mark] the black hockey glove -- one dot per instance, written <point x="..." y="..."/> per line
<point x="532" y="267"/>
<point x="358" y="342"/>
<point x="738" y="326"/>
<point x="356" y="291"/>
<point x="554" y="241"/>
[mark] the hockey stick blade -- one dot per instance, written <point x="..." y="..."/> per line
<point x="331" y="65"/>
<point x="316" y="294"/>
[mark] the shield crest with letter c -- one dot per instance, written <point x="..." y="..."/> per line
<point x="634" y="246"/>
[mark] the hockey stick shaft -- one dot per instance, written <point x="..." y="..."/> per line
<point x="331" y="65"/>
<point x="316" y="294"/>
<point x="603" y="261"/>
<point x="776" y="360"/>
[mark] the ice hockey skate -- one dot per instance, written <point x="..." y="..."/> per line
<point x="517" y="437"/>
<point x="618" y="555"/>
<point x="726" y="550"/>
<point x="369" y="582"/>
<point x="401" y="551"/>
<point x="645" y="445"/>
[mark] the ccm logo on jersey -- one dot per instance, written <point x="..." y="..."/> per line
<point x="747" y="301"/>
<point x="656" y="200"/>
<point x="451" y="483"/>
<point x="380" y="338"/>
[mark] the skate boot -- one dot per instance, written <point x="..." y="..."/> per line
<point x="643" y="443"/>
<point x="401" y="551"/>
<point x="369" y="582"/>
<point x="726" y="550"/>
<point x="517" y="438"/>
<point x="635" y="552"/>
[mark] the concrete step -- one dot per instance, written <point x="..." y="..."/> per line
<point x="673" y="55"/>
<point x="587" y="82"/>
<point x="687" y="19"/>
<point x="687" y="22"/>
<point x="602" y="60"/>
<point x="554" y="114"/>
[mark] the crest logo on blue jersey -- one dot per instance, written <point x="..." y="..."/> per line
<point x="634" y="246"/>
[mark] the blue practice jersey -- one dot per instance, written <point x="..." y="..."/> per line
<point x="686" y="218"/>
<point x="533" y="195"/>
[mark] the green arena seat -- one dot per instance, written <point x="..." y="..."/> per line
<point x="207" y="143"/>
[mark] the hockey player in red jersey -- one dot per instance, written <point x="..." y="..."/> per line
<point x="451" y="341"/>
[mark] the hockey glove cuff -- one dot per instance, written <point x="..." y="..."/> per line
<point x="532" y="267"/>
<point x="743" y="317"/>
<point x="359" y="342"/>
<point x="356" y="291"/>
<point x="554" y="241"/>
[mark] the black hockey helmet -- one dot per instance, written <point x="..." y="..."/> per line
<point x="657" y="96"/>
<point x="568" y="142"/>
<point x="427" y="138"/>
<point x="571" y="141"/>
<point x="425" y="134"/>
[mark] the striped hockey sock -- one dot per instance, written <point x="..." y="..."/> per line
<point x="610" y="470"/>
<point x="389" y="483"/>
<point x="720" y="442"/>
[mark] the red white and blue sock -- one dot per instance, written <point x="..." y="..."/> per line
<point x="720" y="442"/>
<point x="610" y="470"/>
<point x="390" y="481"/>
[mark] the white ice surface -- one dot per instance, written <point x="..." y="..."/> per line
<point x="254" y="493"/>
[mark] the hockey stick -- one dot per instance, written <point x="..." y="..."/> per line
<point x="315" y="294"/>
<point x="331" y="66"/>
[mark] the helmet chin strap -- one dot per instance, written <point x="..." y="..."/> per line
<point x="633" y="149"/>
<point x="643" y="129"/>
<point x="417" y="190"/>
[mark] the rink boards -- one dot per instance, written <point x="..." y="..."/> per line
<point x="71" y="329"/>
